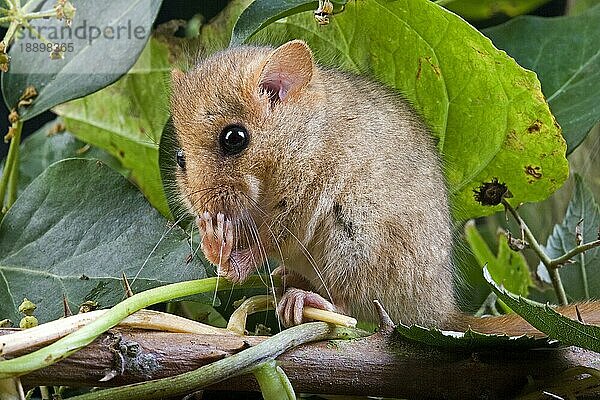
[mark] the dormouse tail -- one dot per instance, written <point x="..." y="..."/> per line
<point x="514" y="325"/>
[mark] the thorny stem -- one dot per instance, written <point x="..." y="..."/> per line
<point x="240" y="363"/>
<point x="71" y="343"/>
<point x="535" y="246"/>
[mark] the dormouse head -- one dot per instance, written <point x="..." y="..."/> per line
<point x="234" y="121"/>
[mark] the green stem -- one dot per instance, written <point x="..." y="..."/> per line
<point x="9" y="164"/>
<point x="84" y="336"/>
<point x="443" y="3"/>
<point x="10" y="32"/>
<point x="11" y="4"/>
<point x="584" y="278"/>
<point x="35" y="32"/>
<point x="237" y="321"/>
<point x="273" y="382"/>
<point x="557" y="262"/>
<point x="488" y="304"/>
<point x="535" y="246"/>
<point x="40" y="14"/>
<point x="225" y="368"/>
<point x="13" y="179"/>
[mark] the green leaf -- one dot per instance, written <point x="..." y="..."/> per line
<point x="74" y="230"/>
<point x="484" y="9"/>
<point x="91" y="64"/>
<point x="581" y="6"/>
<point x="488" y="113"/>
<point x="168" y="167"/>
<point x="49" y="144"/>
<point x="261" y="13"/>
<point x="470" y="339"/>
<point x="545" y="319"/>
<point x="581" y="279"/>
<point x="565" y="53"/>
<point x="508" y="266"/>
<point x="127" y="118"/>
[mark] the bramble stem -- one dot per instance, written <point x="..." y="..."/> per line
<point x="535" y="246"/>
<point x="71" y="343"/>
<point x="240" y="363"/>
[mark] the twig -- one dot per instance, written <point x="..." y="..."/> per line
<point x="535" y="246"/>
<point x="488" y="303"/>
<point x="559" y="261"/>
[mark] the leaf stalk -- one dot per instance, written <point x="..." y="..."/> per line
<point x="535" y="246"/>
<point x="8" y="181"/>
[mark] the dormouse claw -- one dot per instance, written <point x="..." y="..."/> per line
<point x="293" y="301"/>
<point x="217" y="241"/>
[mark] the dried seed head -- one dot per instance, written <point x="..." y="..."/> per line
<point x="491" y="193"/>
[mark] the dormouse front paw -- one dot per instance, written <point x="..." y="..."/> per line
<point x="292" y="303"/>
<point x="217" y="241"/>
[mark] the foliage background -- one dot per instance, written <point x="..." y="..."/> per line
<point x="542" y="217"/>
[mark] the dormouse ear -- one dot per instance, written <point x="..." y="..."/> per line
<point x="288" y="69"/>
<point x="176" y="76"/>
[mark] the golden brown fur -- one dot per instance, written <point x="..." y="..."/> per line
<point x="341" y="181"/>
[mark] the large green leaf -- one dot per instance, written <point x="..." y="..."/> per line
<point x="91" y="64"/>
<point x="74" y="230"/>
<point x="581" y="6"/>
<point x="127" y="118"/>
<point x="483" y="9"/>
<point x="507" y="266"/>
<point x="261" y="13"/>
<point x="488" y="113"/>
<point x="565" y="53"/>
<point x="50" y="144"/>
<point x="582" y="278"/>
<point x="548" y="321"/>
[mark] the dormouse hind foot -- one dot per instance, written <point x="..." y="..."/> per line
<point x="292" y="303"/>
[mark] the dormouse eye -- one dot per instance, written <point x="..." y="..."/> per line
<point x="180" y="156"/>
<point x="234" y="139"/>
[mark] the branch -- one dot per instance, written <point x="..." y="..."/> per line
<point x="377" y="365"/>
